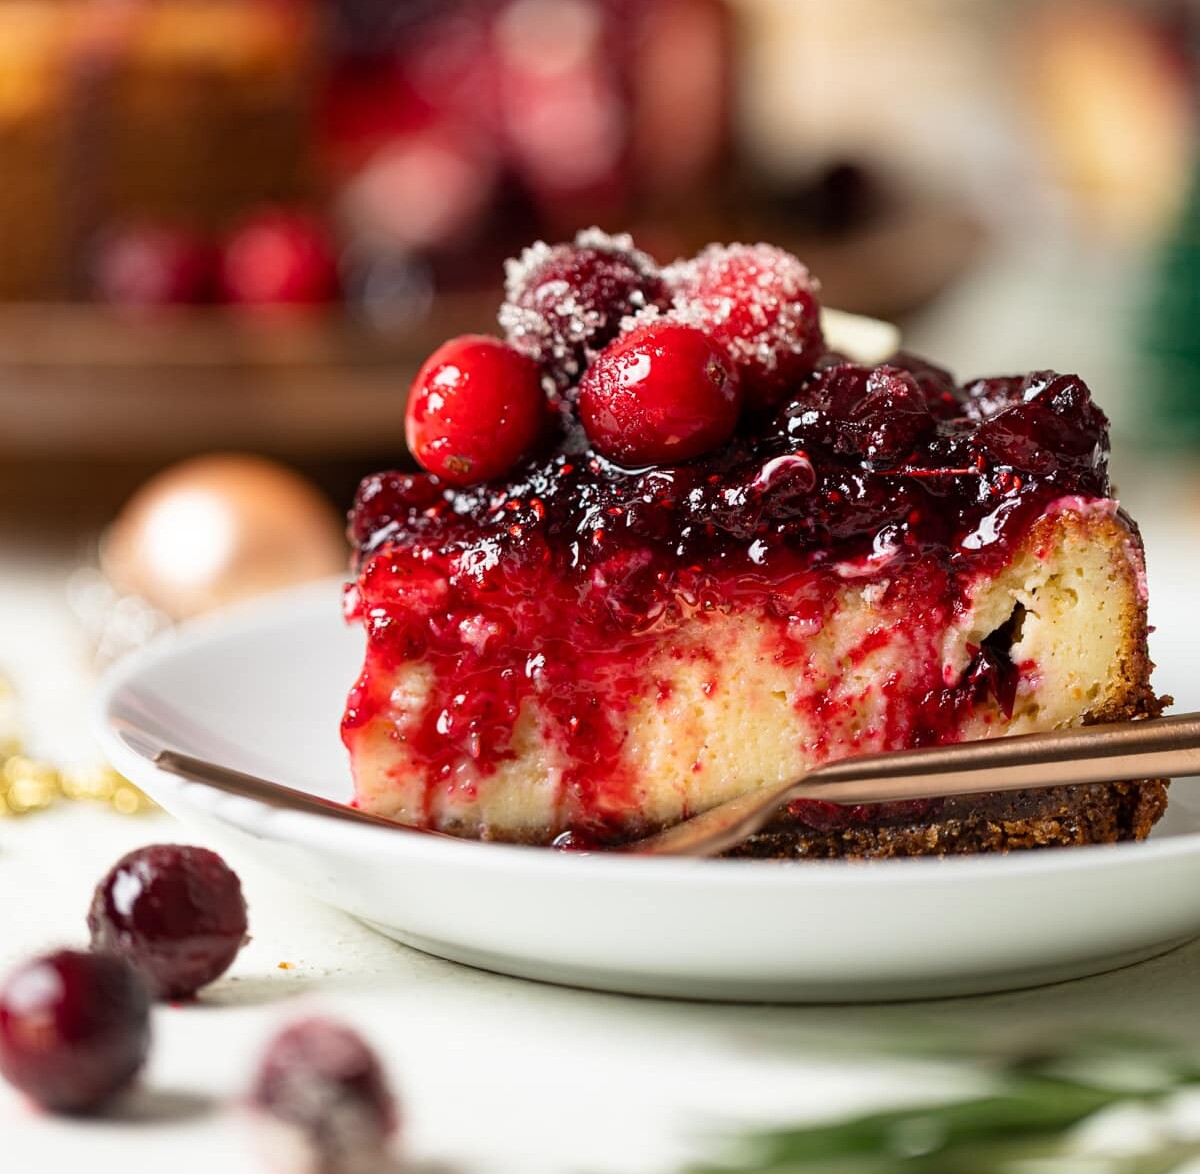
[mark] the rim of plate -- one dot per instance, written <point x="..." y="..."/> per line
<point x="246" y="814"/>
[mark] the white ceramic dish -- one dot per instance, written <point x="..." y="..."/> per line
<point x="261" y="688"/>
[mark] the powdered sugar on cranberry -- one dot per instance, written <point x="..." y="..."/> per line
<point x="563" y="303"/>
<point x="760" y="303"/>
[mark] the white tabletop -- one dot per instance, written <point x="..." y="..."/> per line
<point x="493" y="1074"/>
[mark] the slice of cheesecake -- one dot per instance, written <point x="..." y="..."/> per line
<point x="855" y="557"/>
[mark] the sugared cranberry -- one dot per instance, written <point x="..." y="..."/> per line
<point x="153" y="265"/>
<point x="74" y="1029"/>
<point x="760" y="304"/>
<point x="475" y="408"/>
<point x="175" y="912"/>
<point x="565" y="302"/>
<point x="279" y="258"/>
<point x="661" y="394"/>
<point x="321" y="1082"/>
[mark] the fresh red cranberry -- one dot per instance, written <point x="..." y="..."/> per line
<point x="153" y="265"/>
<point x="475" y="408"/>
<point x="175" y="912"/>
<point x="280" y="258"/>
<point x="74" y="1029"/>
<point x="320" y="1081"/>
<point x="565" y="302"/>
<point x="661" y="394"/>
<point x="760" y="304"/>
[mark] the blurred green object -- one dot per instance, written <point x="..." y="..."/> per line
<point x="1170" y="333"/>
<point x="1028" y="1121"/>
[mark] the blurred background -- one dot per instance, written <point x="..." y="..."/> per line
<point x="237" y="226"/>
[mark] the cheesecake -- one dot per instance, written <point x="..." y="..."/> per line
<point x="674" y="541"/>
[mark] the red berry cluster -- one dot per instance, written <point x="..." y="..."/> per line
<point x="658" y="363"/>
<point x="75" y="1025"/>
<point x="275" y="257"/>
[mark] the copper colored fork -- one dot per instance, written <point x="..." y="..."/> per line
<point x="1152" y="748"/>
<point x="1148" y="749"/>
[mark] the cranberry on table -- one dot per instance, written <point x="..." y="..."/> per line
<point x="74" y="1029"/>
<point x="475" y="408"/>
<point x="153" y="265"/>
<point x="760" y="304"/>
<point x="321" y="1082"/>
<point x="174" y="912"/>
<point x="661" y="394"/>
<point x="565" y="302"/>
<point x="280" y="258"/>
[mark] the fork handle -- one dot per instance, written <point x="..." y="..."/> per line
<point x="1154" y="748"/>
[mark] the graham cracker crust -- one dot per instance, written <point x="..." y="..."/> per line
<point x="1062" y="816"/>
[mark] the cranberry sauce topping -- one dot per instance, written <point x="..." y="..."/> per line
<point x="550" y="585"/>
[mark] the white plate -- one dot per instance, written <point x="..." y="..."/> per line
<point x="261" y="688"/>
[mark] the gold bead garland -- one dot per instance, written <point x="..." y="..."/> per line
<point x="29" y="784"/>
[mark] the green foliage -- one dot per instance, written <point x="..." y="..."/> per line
<point x="1026" y="1124"/>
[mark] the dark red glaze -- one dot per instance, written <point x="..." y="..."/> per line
<point x="565" y="302"/>
<point x="74" y="1029"/>
<point x="279" y="258"/>
<point x="321" y="1080"/>
<point x="151" y="265"/>
<point x="660" y="395"/>
<point x="557" y="584"/>
<point x="475" y="408"/>
<point x="760" y="304"/>
<point x="174" y="912"/>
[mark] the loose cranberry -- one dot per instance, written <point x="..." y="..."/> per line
<point x="74" y="1029"/>
<point x="661" y="394"/>
<point x="760" y="303"/>
<point x="280" y="258"/>
<point x="475" y="408"/>
<point x="153" y="265"/>
<point x="175" y="912"/>
<point x="565" y="302"/>
<point x="321" y="1082"/>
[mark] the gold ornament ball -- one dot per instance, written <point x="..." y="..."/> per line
<point x="217" y="529"/>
